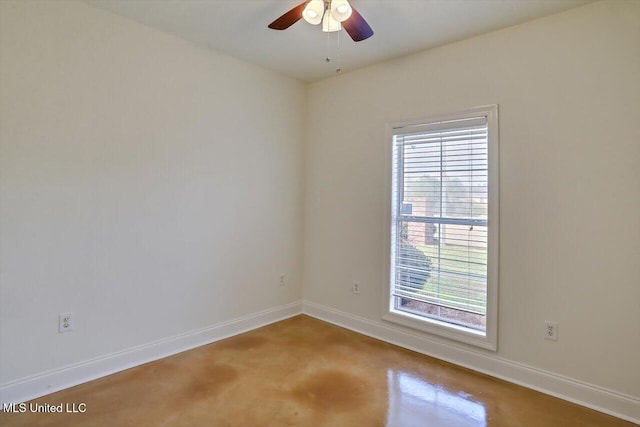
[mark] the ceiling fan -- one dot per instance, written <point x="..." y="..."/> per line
<point x="333" y="14"/>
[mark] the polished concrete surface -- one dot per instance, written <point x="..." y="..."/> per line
<point x="304" y="372"/>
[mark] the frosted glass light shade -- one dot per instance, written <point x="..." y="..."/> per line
<point x="340" y="10"/>
<point x="329" y="24"/>
<point x="313" y="12"/>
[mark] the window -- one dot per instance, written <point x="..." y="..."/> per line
<point x="444" y="226"/>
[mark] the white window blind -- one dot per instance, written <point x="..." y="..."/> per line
<point x="440" y="216"/>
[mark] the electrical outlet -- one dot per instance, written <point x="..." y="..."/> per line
<point x="551" y="330"/>
<point x="355" y="288"/>
<point x="65" y="322"/>
<point x="282" y="279"/>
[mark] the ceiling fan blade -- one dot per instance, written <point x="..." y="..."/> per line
<point x="357" y="27"/>
<point x="289" y="18"/>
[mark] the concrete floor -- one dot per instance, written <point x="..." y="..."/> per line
<point x="304" y="372"/>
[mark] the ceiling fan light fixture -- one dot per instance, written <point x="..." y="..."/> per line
<point x="334" y="15"/>
<point x="340" y="10"/>
<point x="329" y="24"/>
<point x="313" y="12"/>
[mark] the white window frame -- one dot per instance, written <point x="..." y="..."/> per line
<point x="489" y="338"/>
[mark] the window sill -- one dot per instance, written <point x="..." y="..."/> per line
<point x="442" y="329"/>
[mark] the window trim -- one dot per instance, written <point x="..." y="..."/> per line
<point x="489" y="339"/>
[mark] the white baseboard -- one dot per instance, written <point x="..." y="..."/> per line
<point x="594" y="397"/>
<point x="603" y="400"/>
<point x="51" y="381"/>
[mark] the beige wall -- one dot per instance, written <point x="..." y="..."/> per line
<point x="149" y="186"/>
<point x="154" y="188"/>
<point x="568" y="87"/>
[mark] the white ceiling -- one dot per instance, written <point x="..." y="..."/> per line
<point x="239" y="28"/>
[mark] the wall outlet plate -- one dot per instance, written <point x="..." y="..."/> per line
<point x="65" y="322"/>
<point x="551" y="330"/>
<point x="355" y="288"/>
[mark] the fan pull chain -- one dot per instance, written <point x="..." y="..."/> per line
<point x="328" y="59"/>
<point x="338" y="69"/>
